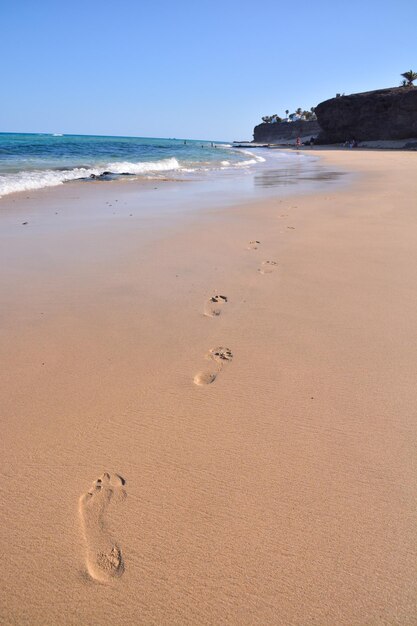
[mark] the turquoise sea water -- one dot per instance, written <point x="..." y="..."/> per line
<point x="33" y="161"/>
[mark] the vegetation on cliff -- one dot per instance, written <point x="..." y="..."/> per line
<point x="298" y="115"/>
<point x="409" y="78"/>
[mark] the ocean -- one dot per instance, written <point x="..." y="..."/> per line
<point x="33" y="161"/>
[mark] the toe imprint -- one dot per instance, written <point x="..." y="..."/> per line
<point x="221" y="354"/>
<point x="214" y="306"/>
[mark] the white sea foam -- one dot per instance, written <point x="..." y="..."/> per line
<point x="246" y="163"/>
<point x="126" y="167"/>
<point x="27" y="180"/>
<point x="37" y="179"/>
<point x="254" y="157"/>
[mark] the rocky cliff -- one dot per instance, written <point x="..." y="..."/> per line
<point x="281" y="133"/>
<point x="381" y="114"/>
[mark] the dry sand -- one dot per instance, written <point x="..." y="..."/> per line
<point x="279" y="489"/>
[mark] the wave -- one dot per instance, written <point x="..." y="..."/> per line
<point x="246" y="163"/>
<point x="126" y="167"/>
<point x="28" y="180"/>
<point x="37" y="179"/>
<point x="255" y="158"/>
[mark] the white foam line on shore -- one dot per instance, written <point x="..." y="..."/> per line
<point x="27" y="180"/>
<point x="37" y="179"/>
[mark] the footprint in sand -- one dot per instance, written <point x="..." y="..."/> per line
<point x="253" y="245"/>
<point x="220" y="356"/>
<point x="214" y="306"/>
<point x="267" y="267"/>
<point x="104" y="557"/>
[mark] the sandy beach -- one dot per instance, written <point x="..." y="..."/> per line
<point x="210" y="419"/>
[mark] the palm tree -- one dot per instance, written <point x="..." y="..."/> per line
<point x="286" y="112"/>
<point x="410" y="76"/>
<point x="299" y="111"/>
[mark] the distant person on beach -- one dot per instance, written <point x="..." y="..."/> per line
<point x="298" y="142"/>
<point x="351" y="144"/>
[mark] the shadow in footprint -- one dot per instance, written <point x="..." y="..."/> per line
<point x="267" y="267"/>
<point x="220" y="357"/>
<point x="214" y="306"/>
<point x="103" y="555"/>
<point x="205" y="378"/>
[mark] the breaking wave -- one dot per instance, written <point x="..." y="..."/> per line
<point x="125" y="167"/>
<point x="28" y="180"/>
<point x="37" y="179"/>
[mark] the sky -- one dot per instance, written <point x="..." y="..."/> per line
<point x="191" y="69"/>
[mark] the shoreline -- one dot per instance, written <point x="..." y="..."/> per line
<point x="217" y="189"/>
<point x="379" y="145"/>
<point x="283" y="491"/>
<point x="232" y="178"/>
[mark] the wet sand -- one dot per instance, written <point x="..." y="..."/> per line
<point x="210" y="419"/>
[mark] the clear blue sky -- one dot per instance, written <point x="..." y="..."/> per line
<point x="198" y="69"/>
